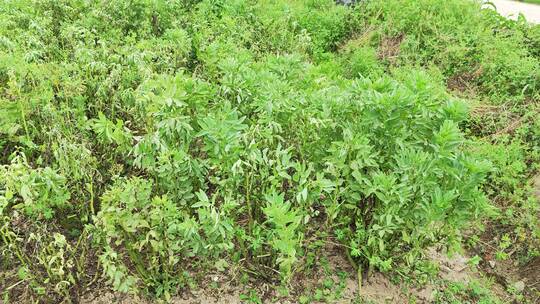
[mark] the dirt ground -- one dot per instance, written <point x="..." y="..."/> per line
<point x="378" y="289"/>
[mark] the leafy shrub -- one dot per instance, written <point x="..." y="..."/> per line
<point x="401" y="149"/>
<point x="39" y="192"/>
<point x="363" y="62"/>
<point x="283" y="236"/>
<point x="154" y="235"/>
<point x="325" y="22"/>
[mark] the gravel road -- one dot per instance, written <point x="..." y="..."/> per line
<point x="512" y="9"/>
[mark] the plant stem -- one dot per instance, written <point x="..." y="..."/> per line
<point x="359" y="278"/>
<point x="248" y="203"/>
<point x="23" y="117"/>
<point x="91" y="190"/>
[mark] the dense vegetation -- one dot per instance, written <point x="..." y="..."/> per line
<point x="145" y="141"/>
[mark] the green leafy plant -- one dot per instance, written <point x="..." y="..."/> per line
<point x="156" y="235"/>
<point x="283" y="236"/>
<point x="39" y="192"/>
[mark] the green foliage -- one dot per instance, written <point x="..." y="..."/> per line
<point x="31" y="201"/>
<point x="283" y="236"/>
<point x="406" y="169"/>
<point x="485" y="50"/>
<point x="173" y="134"/>
<point x="363" y="62"/>
<point x="473" y="292"/>
<point x="325" y="23"/>
<point x="509" y="186"/>
<point x="38" y="192"/>
<point x="154" y="234"/>
<point x="111" y="133"/>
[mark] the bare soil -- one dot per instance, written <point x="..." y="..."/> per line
<point x="377" y="289"/>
